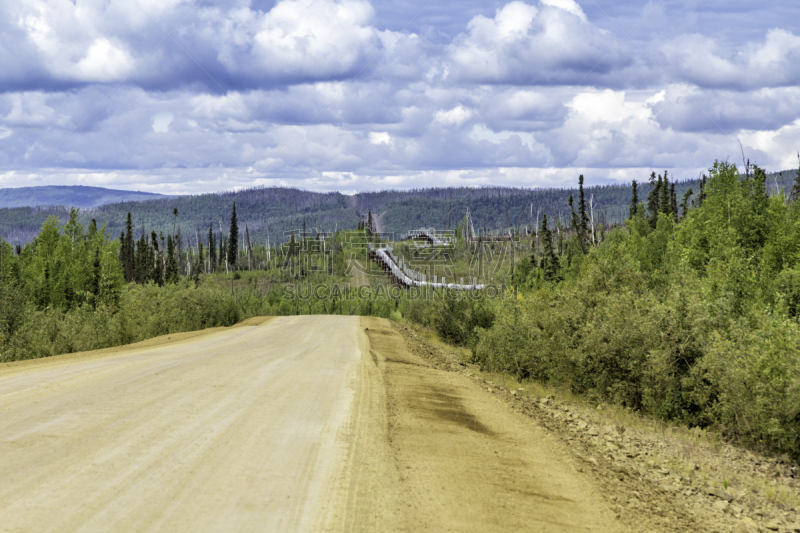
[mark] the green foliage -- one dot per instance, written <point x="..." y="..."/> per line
<point x="233" y="238"/>
<point x="549" y="263"/>
<point x="690" y="316"/>
<point x="460" y="318"/>
<point x="67" y="269"/>
<point x="65" y="292"/>
<point x="144" y="311"/>
<point x="693" y="321"/>
<point x="634" y="205"/>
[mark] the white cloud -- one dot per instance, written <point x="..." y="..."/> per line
<point x="706" y="62"/>
<point x="161" y="122"/>
<point x="320" y="94"/>
<point x="685" y="107"/>
<point x="454" y="117"/>
<point x="526" y="44"/>
<point x="381" y="137"/>
<point x="567" y="5"/>
<point x="313" y="39"/>
<point x="104" y="61"/>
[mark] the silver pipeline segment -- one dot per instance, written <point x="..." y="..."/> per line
<point x="429" y="234"/>
<point x="409" y="277"/>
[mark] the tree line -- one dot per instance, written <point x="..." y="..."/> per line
<point x="688" y="312"/>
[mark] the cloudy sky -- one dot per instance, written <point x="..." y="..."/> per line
<point x="190" y="96"/>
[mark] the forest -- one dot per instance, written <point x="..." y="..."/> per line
<point x="685" y="310"/>
<point x="276" y="212"/>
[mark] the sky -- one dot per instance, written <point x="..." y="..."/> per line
<point x="189" y="97"/>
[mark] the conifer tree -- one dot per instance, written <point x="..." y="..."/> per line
<point x="248" y="245"/>
<point x="140" y="262"/>
<point x="665" y="200"/>
<point x="200" y="259"/>
<point x="155" y="261"/>
<point x="171" y="273"/>
<point x="127" y="264"/>
<point x="685" y="203"/>
<point x="702" y="196"/>
<point x="233" y="239"/>
<point x="162" y="259"/>
<point x="549" y="264"/>
<point x="212" y="248"/>
<point x="370" y="224"/>
<point x="583" y="231"/>
<point x="634" y="207"/>
<point x="574" y="216"/>
<point x="178" y="241"/>
<point x="673" y="202"/>
<point x="96" y="274"/>
<point x="653" y="198"/>
<point x="122" y="252"/>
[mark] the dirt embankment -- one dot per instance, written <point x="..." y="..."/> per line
<point x="652" y="480"/>
<point x="452" y="457"/>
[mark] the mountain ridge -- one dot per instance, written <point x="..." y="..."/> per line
<point x="274" y="212"/>
<point x="80" y="196"/>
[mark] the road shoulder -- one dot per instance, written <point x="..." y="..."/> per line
<point x="461" y="460"/>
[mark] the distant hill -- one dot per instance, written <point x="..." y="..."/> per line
<point x="278" y="211"/>
<point x="69" y="195"/>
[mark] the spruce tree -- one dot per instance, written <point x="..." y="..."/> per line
<point x="175" y="213"/>
<point x="212" y="248"/>
<point x="155" y="260"/>
<point x="702" y="196"/>
<point x="233" y="239"/>
<point x="653" y="198"/>
<point x="128" y="247"/>
<point x="665" y="201"/>
<point x="171" y="273"/>
<point x="634" y="207"/>
<point x="574" y="221"/>
<point x="140" y="262"/>
<point x="247" y="246"/>
<point x="583" y="213"/>
<point x="549" y="264"/>
<point x="122" y="252"/>
<point x="674" y="202"/>
<point x="685" y="203"/>
<point x="96" y="275"/>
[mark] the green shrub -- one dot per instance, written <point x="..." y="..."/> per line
<point x="144" y="311"/>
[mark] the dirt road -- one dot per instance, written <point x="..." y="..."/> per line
<point x="320" y="423"/>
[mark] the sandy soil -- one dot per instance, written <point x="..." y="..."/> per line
<point x="454" y="458"/>
<point x="320" y="423"/>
